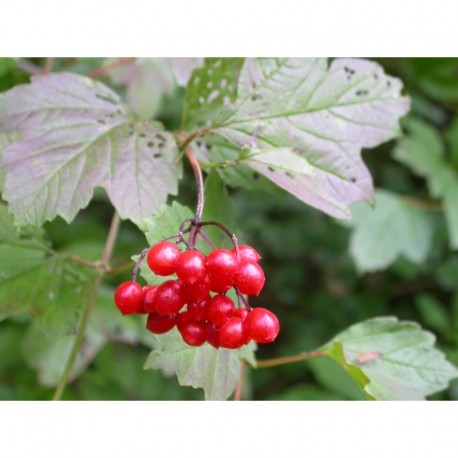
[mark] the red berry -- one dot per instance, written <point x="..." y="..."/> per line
<point x="169" y="297"/>
<point x="148" y="295"/>
<point x="162" y="258"/>
<point x="128" y="298"/>
<point x="246" y="253"/>
<point x="190" y="266"/>
<point x="197" y="291"/>
<point x="249" y="278"/>
<point x="240" y="313"/>
<point x="213" y="335"/>
<point x="262" y="325"/>
<point x="183" y="318"/>
<point x="199" y="310"/>
<point x="194" y="333"/>
<point x="232" y="333"/>
<point x="221" y="263"/>
<point x="219" y="310"/>
<point x="160" y="324"/>
<point x="220" y="284"/>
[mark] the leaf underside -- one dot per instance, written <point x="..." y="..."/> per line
<point x="301" y="123"/>
<point x="77" y="135"/>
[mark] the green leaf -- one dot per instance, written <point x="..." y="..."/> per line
<point x="163" y="224"/>
<point x="424" y="153"/>
<point x="433" y="313"/>
<point x="308" y="122"/>
<point x="391" y="359"/>
<point x="392" y="229"/>
<point x="49" y="357"/>
<point x="218" y="207"/>
<point x="335" y="379"/>
<point x="34" y="280"/>
<point x="77" y="135"/>
<point x="215" y="371"/>
<point x="210" y="91"/>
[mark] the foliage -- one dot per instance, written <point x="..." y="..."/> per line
<point x="271" y="135"/>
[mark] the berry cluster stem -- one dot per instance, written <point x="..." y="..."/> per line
<point x="200" y="195"/>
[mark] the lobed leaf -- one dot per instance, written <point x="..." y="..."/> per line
<point x="215" y="371"/>
<point x="423" y="151"/>
<point x="34" y="280"/>
<point x="392" y="359"/>
<point x="77" y="135"/>
<point x="307" y="121"/>
<point x="392" y="229"/>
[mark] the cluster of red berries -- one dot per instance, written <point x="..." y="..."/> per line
<point x="213" y="319"/>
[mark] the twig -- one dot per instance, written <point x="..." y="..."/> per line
<point x="109" y="245"/>
<point x="28" y="67"/>
<point x="200" y="195"/>
<point x="239" y="388"/>
<point x="289" y="359"/>
<point x="48" y="66"/>
<point x="106" y="68"/>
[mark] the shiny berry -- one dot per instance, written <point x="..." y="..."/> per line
<point x="222" y="263"/>
<point x="128" y="298"/>
<point x="190" y="266"/>
<point x="160" y="324"/>
<point x="220" y="284"/>
<point x="194" y="333"/>
<point x="213" y="335"/>
<point x="162" y="257"/>
<point x="148" y="295"/>
<point x="262" y="325"/>
<point x="240" y="313"/>
<point x="221" y="307"/>
<point x="249" y="278"/>
<point x="169" y="297"/>
<point x="246" y="253"/>
<point x="183" y="318"/>
<point x="232" y="333"/>
<point x="199" y="310"/>
<point x="197" y="291"/>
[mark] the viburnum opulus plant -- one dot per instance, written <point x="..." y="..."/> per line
<point x="299" y="124"/>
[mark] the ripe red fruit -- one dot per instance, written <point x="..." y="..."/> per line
<point x="128" y="298"/>
<point x="148" y="295"/>
<point x="221" y="262"/>
<point x="213" y="335"/>
<point x="240" y="313"/>
<point x="194" y="333"/>
<point x="219" y="310"/>
<point x="162" y="257"/>
<point x="246" y="253"/>
<point x="190" y="266"/>
<point x="198" y="311"/>
<point x="249" y="278"/>
<point x="160" y="324"/>
<point x="169" y="297"/>
<point x="219" y="284"/>
<point x="197" y="291"/>
<point x="232" y="333"/>
<point x="262" y="325"/>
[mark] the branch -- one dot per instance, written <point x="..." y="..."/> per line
<point x="106" y="68"/>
